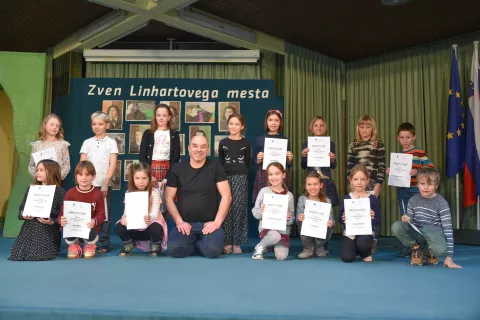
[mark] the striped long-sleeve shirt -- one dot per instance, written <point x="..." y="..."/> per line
<point x="372" y="155"/>
<point x="432" y="213"/>
<point x="420" y="160"/>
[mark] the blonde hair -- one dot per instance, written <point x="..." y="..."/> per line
<point x="101" y="116"/>
<point x="42" y="134"/>
<point x="53" y="173"/>
<point x="322" y="194"/>
<point x="431" y="174"/>
<point x="140" y="167"/>
<point x="315" y="120"/>
<point x="358" y="168"/>
<point x="368" y="120"/>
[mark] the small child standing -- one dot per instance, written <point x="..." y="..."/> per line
<point x="314" y="190"/>
<point x="51" y="136"/>
<point x="406" y="137"/>
<point x="102" y="152"/>
<point x="39" y="239"/>
<point x="435" y="232"/>
<point x="154" y="237"/>
<point x="85" y="192"/>
<point x="235" y="155"/>
<point x="279" y="240"/>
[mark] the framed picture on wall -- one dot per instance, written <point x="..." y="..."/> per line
<point x="117" y="177"/>
<point x="114" y="110"/>
<point x="176" y="108"/>
<point x="182" y="144"/>
<point x="200" y="112"/>
<point x="135" y="137"/>
<point x="126" y="166"/>
<point x="225" y="110"/>
<point x="205" y="131"/>
<point x="139" y="110"/>
<point x="216" y="142"/>
<point x="119" y="139"/>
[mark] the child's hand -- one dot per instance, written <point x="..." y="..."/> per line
<point x="305" y="152"/>
<point x="330" y="224"/>
<point x="332" y="157"/>
<point x="405" y="218"/>
<point x="123" y="221"/>
<point x="289" y="156"/>
<point x="63" y="221"/>
<point x="343" y="218"/>
<point x="413" y="172"/>
<point x="387" y="171"/>
<point x="48" y="221"/>
<point x="27" y="217"/>
<point x="377" y="189"/>
<point x="91" y="224"/>
<point x="104" y="190"/>
<point x="260" y="157"/>
<point x="450" y="264"/>
<point x="289" y="215"/>
<point x="372" y="214"/>
<point x="301" y="217"/>
<point x="262" y="207"/>
<point x="147" y="219"/>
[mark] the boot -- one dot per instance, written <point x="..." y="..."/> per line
<point x="417" y="256"/>
<point x="306" y="253"/>
<point x="431" y="259"/>
<point x="320" y="252"/>
<point x="374" y="246"/>
<point x="127" y="249"/>
<point x="155" y="249"/>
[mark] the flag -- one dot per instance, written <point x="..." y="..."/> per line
<point x="471" y="184"/>
<point x="455" y="157"/>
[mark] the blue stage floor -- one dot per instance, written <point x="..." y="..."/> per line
<point x="237" y="287"/>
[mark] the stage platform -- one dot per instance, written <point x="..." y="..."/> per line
<point x="237" y="287"/>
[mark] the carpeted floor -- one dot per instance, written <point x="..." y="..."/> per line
<point x="237" y="287"/>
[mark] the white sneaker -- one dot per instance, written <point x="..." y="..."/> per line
<point x="258" y="253"/>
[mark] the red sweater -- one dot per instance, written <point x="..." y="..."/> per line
<point x="94" y="197"/>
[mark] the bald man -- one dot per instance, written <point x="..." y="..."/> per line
<point x="197" y="215"/>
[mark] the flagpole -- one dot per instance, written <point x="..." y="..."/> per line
<point x="457" y="176"/>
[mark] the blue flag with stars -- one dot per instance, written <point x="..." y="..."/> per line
<point x="455" y="157"/>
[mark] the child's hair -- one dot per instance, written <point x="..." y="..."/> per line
<point x="140" y="167"/>
<point x="225" y="111"/>
<point x="53" y="173"/>
<point x="406" y="126"/>
<point x="322" y="195"/>
<point x="240" y="118"/>
<point x="42" y="134"/>
<point x="154" y="124"/>
<point x="431" y="174"/>
<point x="119" y="114"/>
<point x="280" y="167"/>
<point x="368" y="120"/>
<point x="100" y="115"/>
<point x="279" y="115"/>
<point x="84" y="165"/>
<point x="359" y="167"/>
<point x="315" y="120"/>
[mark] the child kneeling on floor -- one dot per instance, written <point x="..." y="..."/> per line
<point x="426" y="227"/>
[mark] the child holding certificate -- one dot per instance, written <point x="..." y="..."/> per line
<point x="273" y="126"/>
<point x="51" y="144"/>
<point x="39" y="239"/>
<point x="360" y="245"/>
<point x="85" y="192"/>
<point x="278" y="239"/>
<point x="314" y="191"/>
<point x="154" y="237"/>
<point x="426" y="227"/>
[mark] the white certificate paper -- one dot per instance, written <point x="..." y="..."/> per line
<point x="136" y="208"/>
<point x="275" y="213"/>
<point x="315" y="223"/>
<point x="400" y="167"/>
<point x="78" y="215"/>
<point x="318" y="155"/>
<point x="357" y="217"/>
<point x="275" y="150"/>
<point x="39" y="201"/>
<point x="47" y="154"/>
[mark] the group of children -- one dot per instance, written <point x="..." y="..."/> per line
<point x="425" y="228"/>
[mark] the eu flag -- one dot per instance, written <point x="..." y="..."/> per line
<point x="455" y="158"/>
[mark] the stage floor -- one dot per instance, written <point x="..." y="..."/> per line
<point x="237" y="287"/>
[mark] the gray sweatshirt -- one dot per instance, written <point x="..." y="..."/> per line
<point x="258" y="214"/>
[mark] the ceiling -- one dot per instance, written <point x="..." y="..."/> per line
<point x="343" y="29"/>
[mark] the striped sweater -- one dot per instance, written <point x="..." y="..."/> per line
<point x="371" y="154"/>
<point x="434" y="214"/>
<point x="420" y="161"/>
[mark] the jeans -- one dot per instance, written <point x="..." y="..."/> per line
<point x="104" y="234"/>
<point x="209" y="245"/>
<point x="435" y="239"/>
<point x="404" y="194"/>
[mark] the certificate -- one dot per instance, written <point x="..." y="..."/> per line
<point x="275" y="213"/>
<point x="79" y="215"/>
<point x="136" y="208"/>
<point x="357" y="217"/>
<point x="400" y="167"/>
<point x="47" y="154"/>
<point x="315" y="223"/>
<point x="275" y="150"/>
<point x="39" y="201"/>
<point x="318" y="155"/>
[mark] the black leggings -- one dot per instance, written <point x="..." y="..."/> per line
<point x="360" y="246"/>
<point x="153" y="233"/>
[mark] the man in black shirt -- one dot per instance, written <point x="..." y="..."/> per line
<point x="197" y="216"/>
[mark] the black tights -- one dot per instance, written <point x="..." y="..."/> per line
<point x="153" y="233"/>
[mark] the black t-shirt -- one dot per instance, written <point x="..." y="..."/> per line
<point x="196" y="189"/>
<point x="235" y="155"/>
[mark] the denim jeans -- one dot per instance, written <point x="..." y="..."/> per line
<point x="435" y="239"/>
<point x="209" y="245"/>
<point x="404" y="194"/>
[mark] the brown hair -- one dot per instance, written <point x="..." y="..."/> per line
<point x="406" y="126"/>
<point x="143" y="167"/>
<point x="240" y="118"/>
<point x="315" y="120"/>
<point x="278" y="114"/>
<point x="431" y="174"/>
<point x="359" y="168"/>
<point x="322" y="194"/>
<point x="154" y="124"/>
<point x="53" y="173"/>
<point x="368" y="120"/>
<point x="84" y="165"/>
<point x="42" y="134"/>
<point x="280" y="167"/>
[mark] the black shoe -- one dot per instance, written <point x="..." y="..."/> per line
<point x="155" y="249"/>
<point x="404" y="253"/>
<point x="127" y="249"/>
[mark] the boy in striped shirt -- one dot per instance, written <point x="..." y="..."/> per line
<point x="427" y="224"/>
